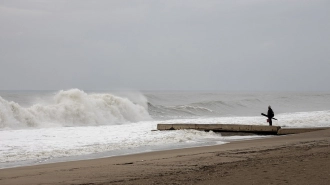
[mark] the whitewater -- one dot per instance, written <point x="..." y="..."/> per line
<point x="39" y="127"/>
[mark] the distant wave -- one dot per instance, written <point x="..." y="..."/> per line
<point x="72" y="108"/>
<point x="182" y="105"/>
<point x="202" y="108"/>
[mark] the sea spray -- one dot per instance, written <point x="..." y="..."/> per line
<point x="73" y="108"/>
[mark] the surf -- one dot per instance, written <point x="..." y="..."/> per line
<point x="72" y="107"/>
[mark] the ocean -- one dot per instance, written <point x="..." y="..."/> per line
<point x="38" y="127"/>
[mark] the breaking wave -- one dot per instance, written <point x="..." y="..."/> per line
<point x="72" y="108"/>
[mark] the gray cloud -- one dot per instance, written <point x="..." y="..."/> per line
<point x="165" y="45"/>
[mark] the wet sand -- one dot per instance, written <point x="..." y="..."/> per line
<point x="292" y="159"/>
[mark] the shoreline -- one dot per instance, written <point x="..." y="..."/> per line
<point x="126" y="152"/>
<point x="199" y="165"/>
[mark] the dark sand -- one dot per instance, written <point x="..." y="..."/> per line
<point x="293" y="159"/>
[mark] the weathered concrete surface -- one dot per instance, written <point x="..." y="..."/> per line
<point x="177" y="126"/>
<point x="221" y="127"/>
<point x="285" y="131"/>
<point x="257" y="129"/>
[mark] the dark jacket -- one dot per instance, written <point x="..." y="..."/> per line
<point x="270" y="113"/>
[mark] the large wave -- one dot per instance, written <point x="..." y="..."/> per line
<point x="73" y="108"/>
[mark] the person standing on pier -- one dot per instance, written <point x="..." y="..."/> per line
<point x="270" y="115"/>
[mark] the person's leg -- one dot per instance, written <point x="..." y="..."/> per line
<point x="270" y="121"/>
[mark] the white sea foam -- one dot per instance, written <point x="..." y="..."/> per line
<point x="47" y="143"/>
<point x="71" y="108"/>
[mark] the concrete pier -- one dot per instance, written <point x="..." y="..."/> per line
<point x="261" y="129"/>
<point x="234" y="128"/>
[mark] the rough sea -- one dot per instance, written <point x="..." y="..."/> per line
<point x="39" y="127"/>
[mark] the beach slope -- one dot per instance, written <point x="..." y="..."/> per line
<point x="292" y="159"/>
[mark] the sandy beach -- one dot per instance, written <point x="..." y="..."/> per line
<point x="292" y="159"/>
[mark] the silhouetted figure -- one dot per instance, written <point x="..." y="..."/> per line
<point x="270" y="115"/>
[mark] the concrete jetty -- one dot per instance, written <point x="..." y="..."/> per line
<point x="235" y="128"/>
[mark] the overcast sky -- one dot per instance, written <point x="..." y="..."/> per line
<point x="226" y="45"/>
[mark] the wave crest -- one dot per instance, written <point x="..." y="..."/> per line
<point x="73" y="108"/>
